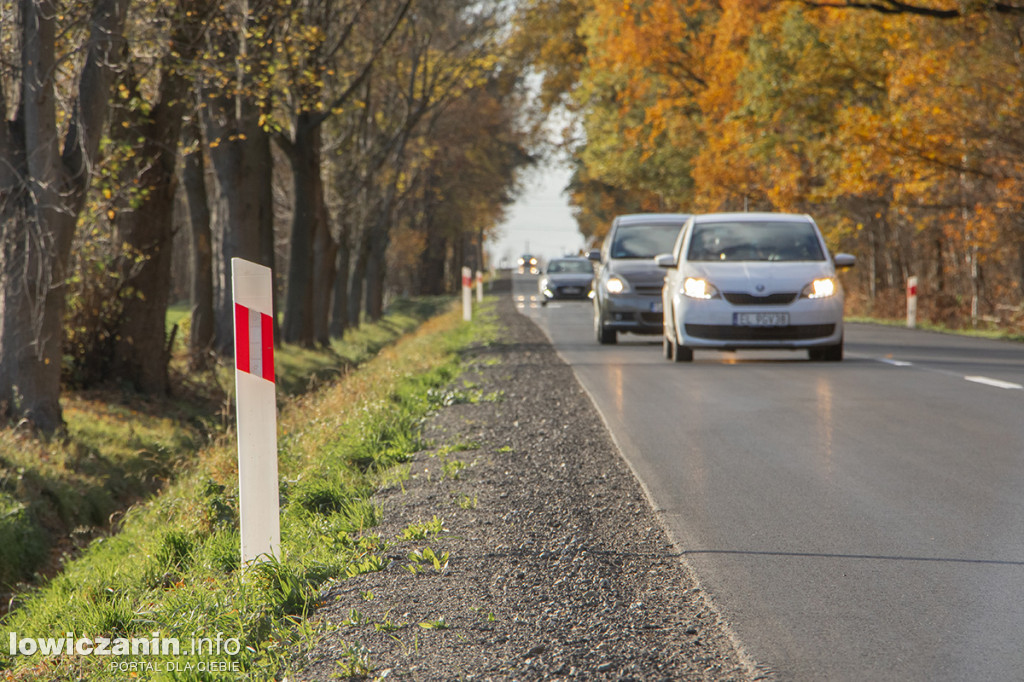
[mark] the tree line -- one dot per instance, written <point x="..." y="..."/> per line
<point x="394" y="122"/>
<point x="899" y="125"/>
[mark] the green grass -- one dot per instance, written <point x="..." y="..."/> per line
<point x="114" y="456"/>
<point x="423" y="529"/>
<point x="173" y="567"/>
<point x="985" y="330"/>
<point x="121" y="449"/>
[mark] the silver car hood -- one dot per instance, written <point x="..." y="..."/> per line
<point x="760" y="278"/>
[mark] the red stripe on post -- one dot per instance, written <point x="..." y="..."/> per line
<point x="267" y="330"/>
<point x="241" y="337"/>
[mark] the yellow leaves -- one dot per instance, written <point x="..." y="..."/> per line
<point x="760" y="100"/>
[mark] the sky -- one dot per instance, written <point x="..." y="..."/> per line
<point x="540" y="222"/>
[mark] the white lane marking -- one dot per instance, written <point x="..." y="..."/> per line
<point x="985" y="381"/>
<point x="995" y="382"/>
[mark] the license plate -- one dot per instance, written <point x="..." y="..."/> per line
<point x="572" y="291"/>
<point x="656" y="307"/>
<point x="760" y="319"/>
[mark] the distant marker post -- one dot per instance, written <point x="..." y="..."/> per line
<point x="479" y="286"/>
<point x="467" y="294"/>
<point x="256" y="409"/>
<point x="911" y="302"/>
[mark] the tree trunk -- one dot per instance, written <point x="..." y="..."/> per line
<point x="38" y="244"/>
<point x="201" y="265"/>
<point x="244" y="220"/>
<point x="324" y="274"/>
<point x="139" y="354"/>
<point x="457" y="261"/>
<point x="358" y="280"/>
<point x="481" y="264"/>
<point x="309" y="231"/>
<point x="140" y="350"/>
<point x="12" y="224"/>
<point x="376" y="270"/>
<point x="432" y="263"/>
<point x="34" y="320"/>
<point x="339" y="306"/>
<point x="379" y="239"/>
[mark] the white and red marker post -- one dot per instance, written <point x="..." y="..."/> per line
<point x="911" y="302"/>
<point x="467" y="294"/>
<point x="479" y="286"/>
<point x="256" y="407"/>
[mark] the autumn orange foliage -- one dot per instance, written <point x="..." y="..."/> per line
<point x="902" y="135"/>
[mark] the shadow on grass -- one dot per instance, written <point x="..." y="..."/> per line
<point x="122" y="448"/>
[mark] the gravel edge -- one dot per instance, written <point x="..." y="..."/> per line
<point x="556" y="564"/>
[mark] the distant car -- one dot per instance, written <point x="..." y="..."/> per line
<point x="752" y="280"/>
<point x="627" y="288"/>
<point x="566" y="278"/>
<point x="528" y="264"/>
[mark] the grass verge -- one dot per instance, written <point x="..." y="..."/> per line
<point x="985" y="330"/>
<point x="57" y="496"/>
<point x="173" y="567"/>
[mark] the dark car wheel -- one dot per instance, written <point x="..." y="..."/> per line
<point x="672" y="349"/>
<point x="604" y="335"/>
<point x="680" y="353"/>
<point x="826" y="353"/>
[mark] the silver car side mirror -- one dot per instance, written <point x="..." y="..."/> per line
<point x="844" y="260"/>
<point x="665" y="260"/>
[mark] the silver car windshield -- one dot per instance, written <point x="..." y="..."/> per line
<point x="755" y="241"/>
<point x="644" y="240"/>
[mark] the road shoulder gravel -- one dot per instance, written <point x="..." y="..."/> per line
<point x="552" y="563"/>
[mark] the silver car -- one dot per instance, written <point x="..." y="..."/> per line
<point x="627" y="288"/>
<point x="752" y="280"/>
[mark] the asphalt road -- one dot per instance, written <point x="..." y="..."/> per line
<point x="861" y="520"/>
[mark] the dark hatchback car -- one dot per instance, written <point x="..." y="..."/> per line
<point x="528" y="264"/>
<point x="627" y="288"/>
<point x="566" y="278"/>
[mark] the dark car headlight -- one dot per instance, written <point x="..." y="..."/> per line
<point x="616" y="285"/>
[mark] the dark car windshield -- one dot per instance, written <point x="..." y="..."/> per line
<point x="644" y="240"/>
<point x="581" y="267"/>
<point x="755" y="241"/>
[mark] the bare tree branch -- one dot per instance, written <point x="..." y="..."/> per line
<point x="898" y="7"/>
<point x="367" y="67"/>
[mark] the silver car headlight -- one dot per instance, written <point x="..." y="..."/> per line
<point x="616" y="285"/>
<point x="823" y="287"/>
<point x="695" y="287"/>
